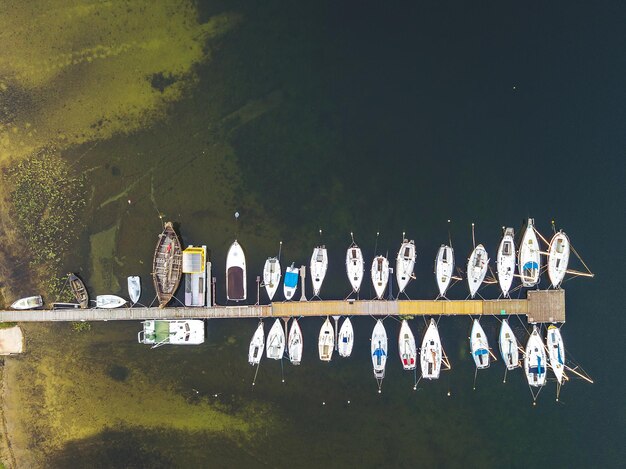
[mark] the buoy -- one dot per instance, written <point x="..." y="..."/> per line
<point x="379" y="391"/>
<point x="323" y="403"/>
<point x="236" y="214"/>
<point x="448" y="393"/>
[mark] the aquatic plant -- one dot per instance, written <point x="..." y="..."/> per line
<point x="81" y="326"/>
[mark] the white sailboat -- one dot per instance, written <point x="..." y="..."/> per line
<point x="558" y="258"/>
<point x="109" y="301"/>
<point x="407" y="347"/>
<point x="556" y="352"/>
<point x="275" y="348"/>
<point x="529" y="261"/>
<point x="134" y="289"/>
<point x="290" y="283"/>
<point x="505" y="261"/>
<point x="326" y="341"/>
<point x="509" y="348"/>
<point x="535" y="360"/>
<point x="379" y="351"/>
<point x="30" y="302"/>
<point x="236" y="288"/>
<point x="346" y="338"/>
<point x="257" y="344"/>
<point x="405" y="263"/>
<point x="380" y="275"/>
<point x="271" y="276"/>
<point x="479" y="346"/>
<point x="295" y="342"/>
<point x="444" y="268"/>
<point x="354" y="266"/>
<point x="431" y="352"/>
<point x="477" y="266"/>
<point x="319" y="264"/>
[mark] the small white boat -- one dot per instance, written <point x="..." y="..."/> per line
<point x="30" y="302"/>
<point x="477" y="266"/>
<point x="479" y="346"/>
<point x="379" y="350"/>
<point x="319" y="264"/>
<point x="326" y="341"/>
<point x="346" y="338"/>
<point x="407" y="347"/>
<point x="505" y="261"/>
<point x="275" y="347"/>
<point x="290" y="283"/>
<point x="295" y="343"/>
<point x="157" y="332"/>
<point x="431" y="352"/>
<point x="380" y="275"/>
<point x="529" y="261"/>
<point x="509" y="348"/>
<point x="558" y="258"/>
<point x="556" y="352"/>
<point x="236" y="288"/>
<point x="109" y="301"/>
<point x="405" y="263"/>
<point x="354" y="266"/>
<point x="444" y="268"/>
<point x="257" y="344"/>
<point x="535" y="360"/>
<point x="271" y="276"/>
<point x="134" y="289"/>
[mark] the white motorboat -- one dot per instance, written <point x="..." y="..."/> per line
<point x="479" y="346"/>
<point x="295" y="343"/>
<point x="535" y="360"/>
<point x="30" y="302"/>
<point x="405" y="263"/>
<point x="290" y="283"/>
<point x="354" y="266"/>
<point x="257" y="344"/>
<point x="326" y="341"/>
<point x="271" y="276"/>
<point x="319" y="264"/>
<point x="380" y="275"/>
<point x="529" y="262"/>
<point x="236" y="289"/>
<point x="379" y="350"/>
<point x="431" y="352"/>
<point x="109" y="301"/>
<point x="134" y="289"/>
<point x="505" y="261"/>
<point x="477" y="266"/>
<point x="556" y="352"/>
<point x="444" y="268"/>
<point x="346" y="338"/>
<point x="275" y="345"/>
<point x="407" y="347"/>
<point x="558" y="258"/>
<point x="509" y="348"/>
<point x="157" y="332"/>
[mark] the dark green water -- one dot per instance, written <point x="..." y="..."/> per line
<point x="393" y="118"/>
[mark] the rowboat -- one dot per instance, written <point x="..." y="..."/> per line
<point x="275" y="347"/>
<point x="236" y="288"/>
<point x="508" y="346"/>
<point x="479" y="346"/>
<point x="157" y="332"/>
<point x="380" y="275"/>
<point x="431" y="352"/>
<point x="354" y="266"/>
<point x="30" y="302"/>
<point x="295" y="342"/>
<point x="255" y="352"/>
<point x="535" y="360"/>
<point x="290" y="284"/>
<point x="444" y="268"/>
<point x="477" y="266"/>
<point x="271" y="276"/>
<point x="134" y="289"/>
<point x="167" y="265"/>
<point x="558" y="258"/>
<point x="319" y="264"/>
<point x="379" y="351"/>
<point x="556" y="352"/>
<point x="109" y="301"/>
<point x="406" y="346"/>
<point x="78" y="289"/>
<point x="326" y="341"/>
<point x="405" y="262"/>
<point x="529" y="260"/>
<point x="346" y="338"/>
<point x="505" y="261"/>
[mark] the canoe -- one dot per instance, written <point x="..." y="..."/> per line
<point x="505" y="262"/>
<point x="78" y="289"/>
<point x="236" y="289"/>
<point x="134" y="289"/>
<point x="271" y="276"/>
<point x="326" y="341"/>
<point x="529" y="262"/>
<point x="405" y="263"/>
<point x="171" y="332"/>
<point x="380" y="275"/>
<point x="167" y="265"/>
<point x="477" y="266"/>
<point x="319" y="265"/>
<point x="275" y="347"/>
<point x="354" y="266"/>
<point x="509" y="349"/>
<point x="407" y="347"/>
<point x="558" y="258"/>
<point x="109" y="301"/>
<point x="346" y="338"/>
<point x="61" y="305"/>
<point x="290" y="283"/>
<point x="379" y="349"/>
<point x="444" y="268"/>
<point x="30" y="302"/>
<point x="295" y="343"/>
<point x="255" y="352"/>
<point x="431" y="352"/>
<point x="556" y="352"/>
<point x="479" y="346"/>
<point x="535" y="360"/>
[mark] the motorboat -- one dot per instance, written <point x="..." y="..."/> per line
<point x="346" y="338"/>
<point x="295" y="343"/>
<point x="134" y="289"/>
<point x="157" y="332"/>
<point x="109" y="301"/>
<point x="477" y="266"/>
<point x="275" y="345"/>
<point x="558" y="258"/>
<point x="30" y="302"/>
<point x="236" y="288"/>
<point x="326" y="341"/>
<point x="529" y="261"/>
<point x="444" y="268"/>
<point x="407" y="347"/>
<point x="479" y="346"/>
<point x="290" y="283"/>
<point x="431" y="352"/>
<point x="556" y="352"/>
<point x="380" y="275"/>
<point x="319" y="265"/>
<point x="535" y="360"/>
<point x="405" y="263"/>
<point x="271" y="276"/>
<point x="354" y="266"/>
<point x="509" y="349"/>
<point x="505" y="261"/>
<point x="167" y="265"/>
<point x="257" y="344"/>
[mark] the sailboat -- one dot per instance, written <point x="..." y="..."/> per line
<point x="354" y="266"/>
<point x="290" y="283"/>
<point x="236" y="288"/>
<point x="346" y="338"/>
<point x="479" y="346"/>
<point x="275" y="348"/>
<point x="508" y="346"/>
<point x="535" y="360"/>
<point x="406" y="346"/>
<point x="134" y="289"/>
<point x="477" y="265"/>
<point x="556" y="352"/>
<point x="319" y="264"/>
<point x="271" y="276"/>
<point x="431" y="352"/>
<point x="529" y="261"/>
<point x="326" y="341"/>
<point x="379" y="351"/>
<point x="444" y="268"/>
<point x="295" y="343"/>
<point x="558" y="258"/>
<point x="380" y="275"/>
<point x="255" y="352"/>
<point x="405" y="263"/>
<point x="30" y="302"/>
<point x="505" y="261"/>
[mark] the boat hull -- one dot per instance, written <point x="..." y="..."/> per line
<point x="167" y="265"/>
<point x="172" y="332"/>
<point x="529" y="262"/>
<point x="295" y="343"/>
<point x="271" y="276"/>
<point x="505" y="263"/>
<point x="346" y="338"/>
<point x="109" y="301"/>
<point x="444" y="268"/>
<point x="405" y="263"/>
<point x="290" y="283"/>
<point x="407" y="347"/>
<point x="556" y="352"/>
<point x="509" y="348"/>
<point x="558" y="258"/>
<point x="326" y="341"/>
<point x="477" y="266"/>
<point x="379" y="349"/>
<point x="380" y="275"/>
<point x="479" y="346"/>
<point x="236" y="288"/>
<point x="134" y="289"/>
<point x="78" y="289"/>
<point x="257" y="344"/>
<point x="431" y="352"/>
<point x="318" y="265"/>
<point x="275" y="345"/>
<point x="535" y="362"/>
<point x="30" y="302"/>
<point x="354" y="267"/>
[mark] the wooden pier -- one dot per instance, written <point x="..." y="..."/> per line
<point x="540" y="306"/>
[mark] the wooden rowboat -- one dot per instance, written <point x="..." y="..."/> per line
<point x="79" y="290"/>
<point x="167" y="265"/>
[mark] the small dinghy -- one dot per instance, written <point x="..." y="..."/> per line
<point x="30" y="302"/>
<point x="271" y="276"/>
<point x="444" y="268"/>
<point x="558" y="258"/>
<point x="379" y="351"/>
<point x="346" y="338"/>
<point x="326" y="341"/>
<point x="529" y="261"/>
<point x="319" y="264"/>
<point x="134" y="289"/>
<point x="508" y="346"/>
<point x="257" y="344"/>
<point x="354" y="266"/>
<point x="431" y="352"/>
<point x="236" y="289"/>
<point x="505" y="262"/>
<point x="275" y="347"/>
<point x="290" y="284"/>
<point x="78" y="289"/>
<point x="109" y="301"/>
<point x="295" y="343"/>
<point x="380" y="275"/>
<point x="535" y="360"/>
<point x="407" y="347"/>
<point x="167" y="264"/>
<point x="556" y="352"/>
<point x="405" y="262"/>
<point x="477" y="266"/>
<point x="479" y="346"/>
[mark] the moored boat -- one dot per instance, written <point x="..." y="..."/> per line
<point x="295" y="343"/>
<point x="271" y="276"/>
<point x="326" y="341"/>
<point x="431" y="353"/>
<point x="535" y="360"/>
<point x="30" y="302"/>
<point x="109" y="301"/>
<point x="558" y="258"/>
<point x="319" y="265"/>
<point x="380" y="275"/>
<point x="379" y="351"/>
<point x="236" y="288"/>
<point x="290" y="283"/>
<point x="257" y="344"/>
<point x="529" y="257"/>
<point x="444" y="268"/>
<point x="78" y="289"/>
<point x="505" y="262"/>
<point x="346" y="338"/>
<point x="275" y="347"/>
<point x="171" y="332"/>
<point x="477" y="266"/>
<point x="134" y="289"/>
<point x="509" y="349"/>
<point x="167" y="265"/>
<point x="407" y="347"/>
<point x="405" y="263"/>
<point x="556" y="352"/>
<point x="479" y="346"/>
<point x="354" y="266"/>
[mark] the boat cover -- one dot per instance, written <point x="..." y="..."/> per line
<point x="480" y="351"/>
<point x="235" y="283"/>
<point x="291" y="279"/>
